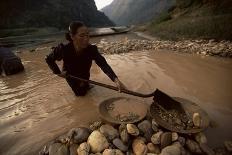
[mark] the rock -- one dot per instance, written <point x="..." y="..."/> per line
<point x="206" y="149"/>
<point x="122" y="127"/>
<point x="197" y="120"/>
<point x="165" y="139"/>
<point x="109" y="132"/>
<point x="119" y="144"/>
<point x="228" y="145"/>
<point x="112" y="152"/>
<point x="58" y="149"/>
<point x="97" y="142"/>
<point x="132" y="129"/>
<point x="146" y="129"/>
<point x="151" y="148"/>
<point x="193" y="146"/>
<point x="139" y="147"/>
<point x="73" y="149"/>
<point x="154" y="125"/>
<point x="171" y="150"/>
<point x="95" y="125"/>
<point x="83" y="149"/>
<point x="44" y="151"/>
<point x="174" y="136"/>
<point x="79" y="135"/>
<point x="155" y="139"/>
<point x="200" y="138"/>
<point x="124" y="136"/>
<point x="181" y="140"/>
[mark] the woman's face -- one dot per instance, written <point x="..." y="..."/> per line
<point x="81" y="38"/>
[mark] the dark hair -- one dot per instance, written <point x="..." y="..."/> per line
<point x="72" y="29"/>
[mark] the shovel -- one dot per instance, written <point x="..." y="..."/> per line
<point x="165" y="102"/>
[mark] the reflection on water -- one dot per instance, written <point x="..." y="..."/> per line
<point x="36" y="106"/>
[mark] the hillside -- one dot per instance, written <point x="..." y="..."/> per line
<point x="206" y="19"/>
<point x="52" y="13"/>
<point x="127" y="12"/>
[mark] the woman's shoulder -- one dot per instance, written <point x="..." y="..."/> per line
<point x="92" y="47"/>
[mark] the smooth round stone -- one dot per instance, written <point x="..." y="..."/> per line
<point x="112" y="152"/>
<point x="124" y="136"/>
<point x="174" y="136"/>
<point x="81" y="135"/>
<point x="139" y="147"/>
<point x="171" y="150"/>
<point x="97" y="141"/>
<point x="83" y="149"/>
<point x="200" y="138"/>
<point x="119" y="144"/>
<point x="197" y="120"/>
<point x="193" y="146"/>
<point x="109" y="132"/>
<point x="58" y="149"/>
<point x="151" y="148"/>
<point x="132" y="129"/>
<point x="144" y="126"/>
<point x="155" y="139"/>
<point x="166" y="139"/>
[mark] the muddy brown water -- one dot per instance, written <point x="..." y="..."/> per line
<point x="37" y="106"/>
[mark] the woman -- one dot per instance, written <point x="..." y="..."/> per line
<point x="77" y="58"/>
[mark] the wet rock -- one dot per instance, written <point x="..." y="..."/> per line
<point x="139" y="147"/>
<point x="83" y="149"/>
<point x="79" y="135"/>
<point x="119" y="144"/>
<point x="155" y="139"/>
<point x="132" y="129"/>
<point x="58" y="149"/>
<point x="155" y="126"/>
<point x="174" y="136"/>
<point x="165" y="139"/>
<point x="124" y="136"/>
<point x="200" y="138"/>
<point x="109" y="132"/>
<point x="206" y="149"/>
<point x="73" y="149"/>
<point x="197" y="119"/>
<point x="97" y="142"/>
<point x="151" y="148"/>
<point x="228" y="145"/>
<point x="193" y="146"/>
<point x="112" y="152"/>
<point x="171" y="150"/>
<point x="95" y="125"/>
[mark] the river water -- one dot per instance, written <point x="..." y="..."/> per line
<point x="36" y="106"/>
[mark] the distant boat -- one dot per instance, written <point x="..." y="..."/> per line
<point x="9" y="62"/>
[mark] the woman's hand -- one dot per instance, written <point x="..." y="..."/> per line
<point x="63" y="74"/>
<point x="119" y="84"/>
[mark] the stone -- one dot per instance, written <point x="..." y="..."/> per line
<point x="165" y="139"/>
<point x="95" y="125"/>
<point x="139" y="147"/>
<point x="200" y="138"/>
<point x="154" y="125"/>
<point x="112" y="152"/>
<point x="228" y="145"/>
<point x="197" y="119"/>
<point x="73" y="149"/>
<point x="171" y="150"/>
<point x="151" y="148"/>
<point x="174" y="136"/>
<point x="155" y="139"/>
<point x="124" y="136"/>
<point x="97" y="141"/>
<point x="193" y="146"/>
<point x="121" y="127"/>
<point x="119" y="144"/>
<point x="83" y="149"/>
<point x="58" y="149"/>
<point x="144" y="126"/>
<point x="132" y="129"/>
<point x="206" y="149"/>
<point x="181" y="140"/>
<point x="79" y="135"/>
<point x="109" y="132"/>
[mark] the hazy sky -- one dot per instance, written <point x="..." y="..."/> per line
<point x="101" y="3"/>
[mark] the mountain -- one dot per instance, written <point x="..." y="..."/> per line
<point x="127" y="12"/>
<point x="50" y="13"/>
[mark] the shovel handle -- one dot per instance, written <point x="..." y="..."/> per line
<point x="113" y="87"/>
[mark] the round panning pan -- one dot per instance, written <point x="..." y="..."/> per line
<point x="120" y="110"/>
<point x="190" y="108"/>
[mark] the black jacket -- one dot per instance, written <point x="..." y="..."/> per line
<point x="78" y="64"/>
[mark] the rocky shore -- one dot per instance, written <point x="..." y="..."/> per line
<point x="143" y="138"/>
<point x="202" y="47"/>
